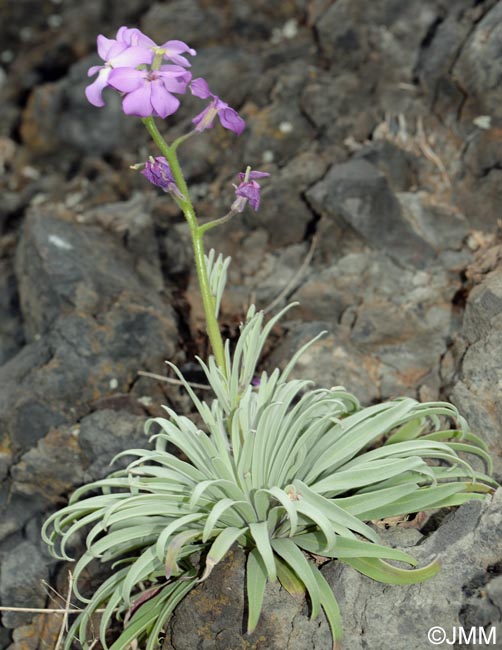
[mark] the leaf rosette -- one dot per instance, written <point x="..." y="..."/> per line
<point x="283" y="469"/>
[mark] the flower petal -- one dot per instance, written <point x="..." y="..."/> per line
<point x="175" y="84"/>
<point x="132" y="56"/>
<point x="177" y="47"/>
<point x="179" y="60"/>
<point x="139" y="102"/>
<point x="250" y="191"/>
<point x="126" y="79"/>
<point x="104" y="46"/>
<point x="231" y="120"/>
<point x="138" y="38"/>
<point x="205" y="119"/>
<point x="163" y="102"/>
<point x="95" y="68"/>
<point x="200" y="88"/>
<point x="94" y="90"/>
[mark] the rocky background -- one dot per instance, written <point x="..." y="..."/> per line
<point x="381" y="124"/>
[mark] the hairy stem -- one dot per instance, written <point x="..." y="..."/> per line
<point x="196" y="233"/>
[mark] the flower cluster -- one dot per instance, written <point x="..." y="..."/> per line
<point x="149" y="76"/>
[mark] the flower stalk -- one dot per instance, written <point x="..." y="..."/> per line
<point x="197" y="234"/>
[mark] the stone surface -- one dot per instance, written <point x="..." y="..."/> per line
<point x="374" y="615"/>
<point x="388" y="326"/>
<point x="21" y="578"/>
<point x="358" y="194"/>
<point x="480" y="375"/>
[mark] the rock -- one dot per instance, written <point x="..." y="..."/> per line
<point x="484" y="307"/>
<point x="103" y="435"/>
<point x="400" y="167"/>
<point x="354" y="35"/>
<point x="64" y="266"/>
<point x="189" y="20"/>
<point x="482" y="159"/>
<point x="259" y="19"/>
<point x="279" y="131"/>
<point x="213" y="614"/>
<point x="11" y="335"/>
<point x="356" y="193"/>
<point x="468" y="545"/>
<point x="478" y="68"/>
<point x="480" y="376"/>
<point x="22" y="573"/>
<point x="391" y="325"/>
<point x="332" y="361"/>
<point x="439" y="53"/>
<point x="50" y="469"/>
<point x="58" y="121"/>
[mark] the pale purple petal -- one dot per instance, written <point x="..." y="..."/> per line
<point x="176" y="84"/>
<point x="179" y="60"/>
<point x="95" y="68"/>
<point x="205" y="119"/>
<point x="253" y="174"/>
<point x="174" y="70"/>
<point x="251" y="192"/>
<point x="132" y="37"/>
<point x="142" y="39"/>
<point x="200" y="88"/>
<point x="177" y="47"/>
<point x="94" y="90"/>
<point x="126" y="79"/>
<point x="138" y="102"/>
<point x="104" y="46"/>
<point x="132" y="56"/>
<point x="123" y="35"/>
<point x="231" y="120"/>
<point x="163" y="102"/>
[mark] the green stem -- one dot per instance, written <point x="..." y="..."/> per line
<point x="217" y="222"/>
<point x="196" y="233"/>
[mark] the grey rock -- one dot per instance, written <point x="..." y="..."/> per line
<point x="398" y="165"/>
<point x="480" y="376"/>
<point x="478" y="67"/>
<point x="280" y="127"/>
<point x="468" y="546"/>
<point x="11" y="334"/>
<point x="484" y="308"/>
<point x="357" y="193"/>
<point x="106" y="433"/>
<point x="74" y="124"/>
<point x="355" y="34"/>
<point x="440" y="51"/>
<point x="62" y="266"/>
<point x="332" y="361"/>
<point x="376" y="616"/>
<point x="212" y="615"/>
<point x="50" y="469"/>
<point x="22" y="573"/>
<point x="198" y="23"/>
<point x="477" y="392"/>
<point x="391" y="325"/>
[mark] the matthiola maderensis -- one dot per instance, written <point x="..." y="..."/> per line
<point x="287" y="471"/>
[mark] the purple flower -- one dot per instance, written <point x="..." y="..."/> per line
<point x="171" y="50"/>
<point x="158" y="172"/>
<point x="130" y="49"/>
<point x="120" y="52"/>
<point x="248" y="190"/>
<point x="229" y="118"/>
<point x="149" y="92"/>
